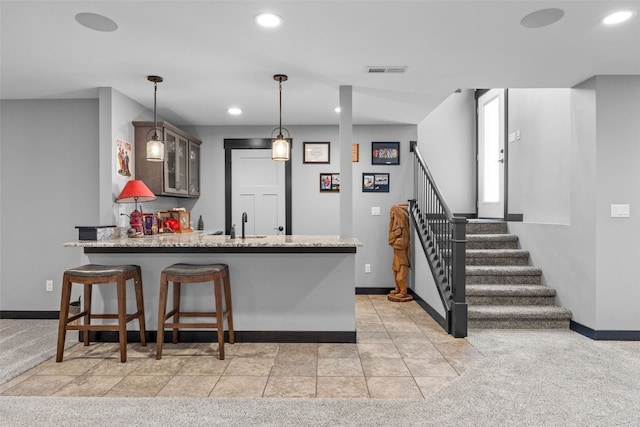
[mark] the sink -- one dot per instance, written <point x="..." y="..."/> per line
<point x="255" y="236"/>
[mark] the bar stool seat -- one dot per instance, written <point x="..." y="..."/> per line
<point x="182" y="273"/>
<point x="90" y="275"/>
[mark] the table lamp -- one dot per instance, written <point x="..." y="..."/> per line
<point x="135" y="191"/>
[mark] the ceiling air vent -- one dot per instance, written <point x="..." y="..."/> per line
<point x="387" y="69"/>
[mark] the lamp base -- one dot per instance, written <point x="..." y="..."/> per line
<point x="136" y="220"/>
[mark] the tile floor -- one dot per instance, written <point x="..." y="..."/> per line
<point x="401" y="353"/>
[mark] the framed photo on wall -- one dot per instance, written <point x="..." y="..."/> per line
<point x="316" y="152"/>
<point x="355" y="152"/>
<point x="375" y="182"/>
<point x="329" y="182"/>
<point x="385" y="153"/>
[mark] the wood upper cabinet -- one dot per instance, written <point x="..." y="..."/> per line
<point x="179" y="174"/>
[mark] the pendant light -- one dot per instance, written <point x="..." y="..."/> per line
<point x="280" y="145"/>
<point x="155" y="145"/>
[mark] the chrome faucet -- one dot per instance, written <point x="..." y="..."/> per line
<point x="244" y="221"/>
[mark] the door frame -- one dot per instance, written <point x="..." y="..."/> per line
<point x="252" y="143"/>
<point x="478" y="94"/>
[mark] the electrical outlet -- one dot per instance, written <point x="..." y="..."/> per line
<point x="375" y="210"/>
<point x="367" y="268"/>
<point x="49" y="285"/>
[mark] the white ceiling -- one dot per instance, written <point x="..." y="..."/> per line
<point x="212" y="55"/>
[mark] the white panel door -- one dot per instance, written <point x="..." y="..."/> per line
<point x="257" y="189"/>
<point x="491" y="157"/>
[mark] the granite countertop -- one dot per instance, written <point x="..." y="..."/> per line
<point x="204" y="239"/>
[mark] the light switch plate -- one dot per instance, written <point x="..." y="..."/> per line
<point x="620" y="211"/>
<point x="375" y="210"/>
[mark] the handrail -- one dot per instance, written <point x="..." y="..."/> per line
<point x="443" y="240"/>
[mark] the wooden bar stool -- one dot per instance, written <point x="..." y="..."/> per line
<point x="92" y="274"/>
<point x="191" y="273"/>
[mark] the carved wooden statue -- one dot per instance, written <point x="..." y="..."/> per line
<point x="399" y="239"/>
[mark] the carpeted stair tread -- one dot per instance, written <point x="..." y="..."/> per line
<point x="510" y="290"/>
<point x="502" y="270"/>
<point x="496" y="257"/>
<point x="486" y="227"/>
<point x="519" y="312"/>
<point x="492" y="241"/>
<point x="491" y="237"/>
<point x="495" y="253"/>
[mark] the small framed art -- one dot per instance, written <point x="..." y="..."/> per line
<point x="385" y="153"/>
<point x="375" y="182"/>
<point x="329" y="182"/>
<point x="316" y="152"/>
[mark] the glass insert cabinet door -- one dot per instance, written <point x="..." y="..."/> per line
<point x="175" y="173"/>
<point x="194" y="169"/>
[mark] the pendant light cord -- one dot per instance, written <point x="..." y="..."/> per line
<point x="155" y="111"/>
<point x="280" y="85"/>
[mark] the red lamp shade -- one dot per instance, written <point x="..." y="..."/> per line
<point x="135" y="191"/>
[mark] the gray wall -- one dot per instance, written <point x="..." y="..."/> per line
<point x="49" y="184"/>
<point x="314" y="212"/>
<point x="446" y="140"/>
<point x="592" y="260"/>
<point x="540" y="190"/>
<point x="67" y="148"/>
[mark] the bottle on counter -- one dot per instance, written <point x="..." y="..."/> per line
<point x="200" y="223"/>
<point x="232" y="234"/>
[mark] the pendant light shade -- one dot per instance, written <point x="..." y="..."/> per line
<point x="155" y="145"/>
<point x="280" y="146"/>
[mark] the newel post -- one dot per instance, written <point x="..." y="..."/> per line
<point x="458" y="279"/>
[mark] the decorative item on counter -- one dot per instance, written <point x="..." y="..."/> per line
<point x="177" y="220"/>
<point x="232" y="233"/>
<point x="135" y="191"/>
<point x="148" y="223"/>
<point x="200" y="223"/>
<point x="95" y="232"/>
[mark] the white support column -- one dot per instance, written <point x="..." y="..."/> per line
<point x="105" y="153"/>
<point x="346" y="173"/>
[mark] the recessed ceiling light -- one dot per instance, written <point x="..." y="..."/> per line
<point x="337" y="109"/>
<point x="542" y="18"/>
<point x="234" y="111"/>
<point x="96" y="22"/>
<point x="619" y="17"/>
<point x="268" y="20"/>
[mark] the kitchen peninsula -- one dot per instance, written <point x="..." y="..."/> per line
<point x="293" y="288"/>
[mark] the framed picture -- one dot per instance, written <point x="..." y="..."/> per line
<point x="385" y="153"/>
<point x="375" y="182"/>
<point x="329" y="182"/>
<point x="355" y="152"/>
<point x="316" y="152"/>
<point x="124" y="155"/>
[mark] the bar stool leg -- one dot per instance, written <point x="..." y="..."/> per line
<point x="140" y="308"/>
<point x="227" y="298"/>
<point x="65" y="300"/>
<point x="86" y="320"/>
<point x="122" y="317"/>
<point x="176" y="308"/>
<point x="162" y="312"/>
<point x="217" y="285"/>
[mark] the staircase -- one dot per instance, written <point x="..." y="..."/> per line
<point x="503" y="290"/>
